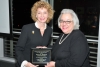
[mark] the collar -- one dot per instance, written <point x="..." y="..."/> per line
<point x="38" y="27"/>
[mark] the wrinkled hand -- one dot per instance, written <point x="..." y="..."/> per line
<point x="30" y="65"/>
<point x="41" y="47"/>
<point x="50" y="64"/>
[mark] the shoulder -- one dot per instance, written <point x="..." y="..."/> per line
<point x="77" y="38"/>
<point x="77" y="33"/>
<point x="49" y="28"/>
<point x="28" y="26"/>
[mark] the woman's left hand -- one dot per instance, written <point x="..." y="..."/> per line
<point x="50" y="64"/>
<point x="41" y="47"/>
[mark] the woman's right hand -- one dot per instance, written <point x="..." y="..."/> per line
<point x="30" y="65"/>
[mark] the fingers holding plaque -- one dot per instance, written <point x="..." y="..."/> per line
<point x="40" y="56"/>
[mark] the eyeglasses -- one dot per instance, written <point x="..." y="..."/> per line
<point x="66" y="22"/>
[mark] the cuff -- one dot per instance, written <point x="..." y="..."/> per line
<point x="23" y="63"/>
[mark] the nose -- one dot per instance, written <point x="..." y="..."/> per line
<point x="42" y="14"/>
<point x="64" y="23"/>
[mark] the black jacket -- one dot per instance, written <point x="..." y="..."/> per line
<point x="73" y="52"/>
<point x="30" y="38"/>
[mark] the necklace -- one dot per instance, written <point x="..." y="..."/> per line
<point x="61" y="40"/>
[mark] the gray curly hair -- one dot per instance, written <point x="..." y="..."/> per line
<point x="74" y="17"/>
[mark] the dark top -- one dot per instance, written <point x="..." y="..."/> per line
<point x="31" y="38"/>
<point x="73" y="52"/>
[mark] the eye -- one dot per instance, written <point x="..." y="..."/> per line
<point x="68" y="21"/>
<point x="38" y="13"/>
<point x="60" y="21"/>
<point x="45" y="12"/>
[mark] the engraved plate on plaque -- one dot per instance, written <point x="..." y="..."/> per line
<point x="40" y="56"/>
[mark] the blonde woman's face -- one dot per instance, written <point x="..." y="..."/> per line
<point x="42" y="15"/>
<point x="66" y="23"/>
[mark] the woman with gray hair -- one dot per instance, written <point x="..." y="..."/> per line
<point x="71" y="48"/>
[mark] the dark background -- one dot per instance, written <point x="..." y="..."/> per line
<point x="85" y="10"/>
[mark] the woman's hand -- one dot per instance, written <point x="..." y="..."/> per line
<point x="41" y="47"/>
<point x="30" y="65"/>
<point x="50" y="64"/>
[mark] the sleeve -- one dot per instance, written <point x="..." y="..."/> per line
<point x="23" y="63"/>
<point x="50" y="38"/>
<point x="20" y="46"/>
<point x="78" y="53"/>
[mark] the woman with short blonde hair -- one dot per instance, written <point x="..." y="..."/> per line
<point x="34" y="35"/>
<point x="42" y="4"/>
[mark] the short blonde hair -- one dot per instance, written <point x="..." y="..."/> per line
<point x="42" y="4"/>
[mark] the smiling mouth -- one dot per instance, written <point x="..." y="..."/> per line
<point x="64" y="28"/>
<point x="42" y="19"/>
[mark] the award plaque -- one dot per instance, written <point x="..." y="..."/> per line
<point x="40" y="56"/>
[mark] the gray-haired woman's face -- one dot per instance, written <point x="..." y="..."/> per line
<point x="66" y="23"/>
